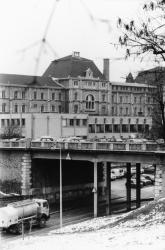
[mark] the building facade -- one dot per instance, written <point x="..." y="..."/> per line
<point x="74" y="98"/>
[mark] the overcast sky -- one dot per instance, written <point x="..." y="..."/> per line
<point x="76" y="25"/>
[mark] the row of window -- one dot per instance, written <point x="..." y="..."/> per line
<point x="89" y="84"/>
<point x="105" y="121"/>
<point x="118" y="128"/>
<point x="127" y="99"/>
<point x="125" y="111"/>
<point x="41" y="108"/>
<point x="12" y="122"/>
<point x="74" y="122"/>
<point x="22" y="95"/>
<point x="132" y="88"/>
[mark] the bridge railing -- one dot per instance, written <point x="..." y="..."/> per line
<point x="85" y="145"/>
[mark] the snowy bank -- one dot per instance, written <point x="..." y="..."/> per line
<point x="143" y="228"/>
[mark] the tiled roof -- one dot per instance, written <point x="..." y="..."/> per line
<point x="151" y="76"/>
<point x="72" y="66"/>
<point x="28" y="80"/>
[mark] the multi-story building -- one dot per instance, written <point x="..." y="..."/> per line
<point x="74" y="98"/>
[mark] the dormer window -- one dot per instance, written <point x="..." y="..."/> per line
<point x="89" y="73"/>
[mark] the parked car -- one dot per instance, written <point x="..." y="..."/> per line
<point x="46" y="138"/>
<point x="144" y="180"/>
<point x="133" y="183"/>
<point x="113" y="176"/>
<point x="150" y="177"/>
<point x="119" y="172"/>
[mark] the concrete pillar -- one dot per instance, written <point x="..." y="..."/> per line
<point x="95" y="190"/>
<point x="26" y="174"/>
<point x="128" y="186"/>
<point x="108" y="189"/>
<point x="138" y="188"/>
<point x="158" y="181"/>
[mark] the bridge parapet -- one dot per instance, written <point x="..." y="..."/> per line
<point x="85" y="145"/>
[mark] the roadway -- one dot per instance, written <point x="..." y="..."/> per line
<point x="72" y="216"/>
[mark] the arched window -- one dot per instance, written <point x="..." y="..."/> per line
<point x="90" y="101"/>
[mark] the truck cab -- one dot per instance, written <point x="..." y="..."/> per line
<point x="43" y="207"/>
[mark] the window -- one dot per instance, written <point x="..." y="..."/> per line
<point x="53" y="96"/>
<point x="75" y="96"/>
<point x="90" y="102"/>
<point x="23" y="94"/>
<point x="134" y="99"/>
<point x="23" y="108"/>
<point x="84" y="122"/>
<point x="121" y="110"/>
<point x="126" y="111"/>
<point x="53" y="108"/>
<point x="140" y="99"/>
<point x="35" y="95"/>
<point x="113" y="110"/>
<point x="42" y="96"/>
<point x="42" y="108"/>
<point x="91" y="128"/>
<point x="3" y="94"/>
<point x="15" y="94"/>
<point x="15" y="108"/>
<point x="3" y="107"/>
<point x="103" y="84"/>
<point x="121" y="99"/>
<point x="35" y="106"/>
<point x="103" y="110"/>
<point x="103" y="98"/>
<point x="125" y="128"/>
<point x="77" y="122"/>
<point x="23" y="122"/>
<point x="75" y="83"/>
<point x="116" y="128"/>
<point x="3" y="123"/>
<point x="59" y="108"/>
<point x="99" y="128"/>
<point x="108" y="128"/>
<point x="135" y="111"/>
<point x="60" y="96"/>
<point x="75" y="108"/>
<point x="71" y="122"/>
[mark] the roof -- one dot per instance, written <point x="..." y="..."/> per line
<point x="72" y="66"/>
<point x="130" y="84"/>
<point x="12" y="79"/>
<point x="151" y="76"/>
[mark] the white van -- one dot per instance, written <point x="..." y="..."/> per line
<point x="118" y="172"/>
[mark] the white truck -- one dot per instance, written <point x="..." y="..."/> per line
<point x="20" y="215"/>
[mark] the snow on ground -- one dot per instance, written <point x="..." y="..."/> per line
<point x="143" y="228"/>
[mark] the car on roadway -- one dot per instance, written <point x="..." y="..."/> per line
<point x="113" y="176"/>
<point x="46" y="138"/>
<point x="150" y="177"/>
<point x="133" y="183"/>
<point x="144" y="180"/>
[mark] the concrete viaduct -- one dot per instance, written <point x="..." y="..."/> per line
<point x="129" y="153"/>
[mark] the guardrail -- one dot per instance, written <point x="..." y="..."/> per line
<point x="87" y="145"/>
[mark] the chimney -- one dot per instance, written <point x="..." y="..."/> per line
<point x="106" y="68"/>
<point x="76" y="54"/>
